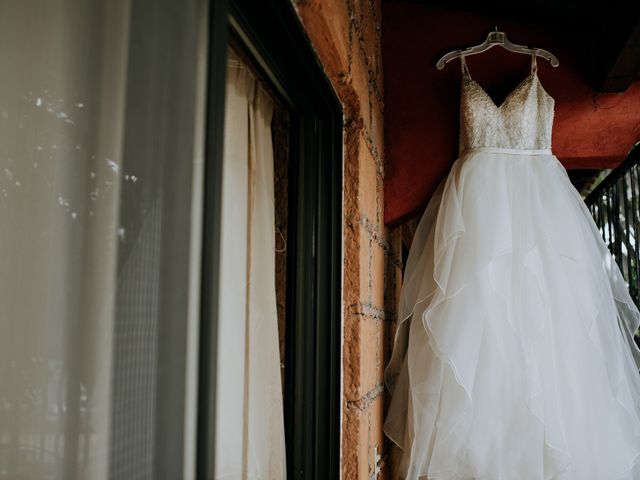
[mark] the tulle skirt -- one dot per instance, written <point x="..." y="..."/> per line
<point x="514" y="356"/>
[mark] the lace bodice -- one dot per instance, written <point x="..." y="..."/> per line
<point x="523" y="121"/>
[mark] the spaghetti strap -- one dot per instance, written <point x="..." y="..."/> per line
<point x="534" y="62"/>
<point x="463" y="66"/>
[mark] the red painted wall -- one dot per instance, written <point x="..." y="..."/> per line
<point x="421" y="103"/>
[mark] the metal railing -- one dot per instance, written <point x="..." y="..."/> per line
<point x="615" y="206"/>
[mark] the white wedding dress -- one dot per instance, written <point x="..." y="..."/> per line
<point x="514" y="356"/>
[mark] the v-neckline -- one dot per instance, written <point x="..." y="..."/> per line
<point x="531" y="76"/>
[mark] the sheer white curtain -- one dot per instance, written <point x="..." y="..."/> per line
<point x="97" y="133"/>
<point x="61" y="147"/>
<point x="249" y="422"/>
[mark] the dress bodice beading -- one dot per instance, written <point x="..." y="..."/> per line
<point x="522" y="122"/>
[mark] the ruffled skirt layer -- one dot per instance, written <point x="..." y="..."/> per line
<point x="514" y="357"/>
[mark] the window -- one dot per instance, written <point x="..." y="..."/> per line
<point x="270" y="38"/>
<point x="101" y="146"/>
<point x="111" y="148"/>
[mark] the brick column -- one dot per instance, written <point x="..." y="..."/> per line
<point x="347" y="39"/>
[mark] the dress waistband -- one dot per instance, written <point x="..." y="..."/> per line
<point x="510" y="151"/>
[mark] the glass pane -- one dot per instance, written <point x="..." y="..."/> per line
<point x="98" y="136"/>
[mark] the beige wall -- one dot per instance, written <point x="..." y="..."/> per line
<point x="346" y="36"/>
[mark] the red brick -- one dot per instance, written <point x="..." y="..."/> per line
<point x="370" y="34"/>
<point x="376" y="422"/>
<point x="372" y="348"/>
<point x="351" y="358"/>
<point x="364" y="459"/>
<point x="366" y="259"/>
<point x="377" y="130"/>
<point x="378" y="260"/>
<point x="369" y="188"/>
<point x="371" y="437"/>
<point x="350" y="442"/>
<point x="327" y="23"/>
<point x="352" y="239"/>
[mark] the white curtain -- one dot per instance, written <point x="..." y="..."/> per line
<point x="61" y="150"/>
<point x="249" y="422"/>
<point x="97" y="133"/>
